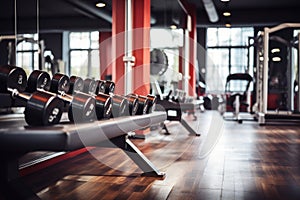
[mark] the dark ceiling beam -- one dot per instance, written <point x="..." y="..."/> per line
<point x="52" y="24"/>
<point x="92" y="9"/>
<point x="262" y="17"/>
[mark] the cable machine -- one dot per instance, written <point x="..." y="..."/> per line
<point x="287" y="111"/>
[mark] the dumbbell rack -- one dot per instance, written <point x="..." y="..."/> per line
<point x="17" y="139"/>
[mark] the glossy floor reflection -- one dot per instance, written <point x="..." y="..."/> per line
<point x="228" y="161"/>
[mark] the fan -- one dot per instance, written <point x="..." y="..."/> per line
<point x="159" y="62"/>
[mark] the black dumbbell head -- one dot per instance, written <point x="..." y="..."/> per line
<point x="103" y="106"/>
<point x="82" y="108"/>
<point x="120" y="106"/>
<point x="133" y="104"/>
<point x="90" y="86"/>
<point x="38" y="80"/>
<point x="60" y="83"/>
<point x="12" y="77"/>
<point x="109" y="87"/>
<point x="43" y="109"/>
<point x="76" y="84"/>
<point x="143" y="104"/>
<point x="152" y="102"/>
<point x="100" y="87"/>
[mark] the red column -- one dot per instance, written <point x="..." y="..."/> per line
<point x="118" y="44"/>
<point x="193" y="52"/>
<point x="141" y="50"/>
<point x="141" y="46"/>
<point x="180" y="63"/>
<point x="190" y="9"/>
<point x="105" y="45"/>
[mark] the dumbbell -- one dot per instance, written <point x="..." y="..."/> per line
<point x="143" y="103"/>
<point x="76" y="84"/>
<point x="103" y="101"/>
<point x="120" y="106"/>
<point x="38" y="79"/>
<point x="41" y="108"/>
<point x="133" y="104"/>
<point x="89" y="86"/>
<point x="108" y="106"/>
<point x="81" y="106"/>
<point x="153" y="101"/>
<point x="106" y="87"/>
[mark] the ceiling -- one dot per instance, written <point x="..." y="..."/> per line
<point x="58" y="15"/>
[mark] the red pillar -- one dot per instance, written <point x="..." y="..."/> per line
<point x="193" y="52"/>
<point x="190" y="9"/>
<point x="118" y="44"/>
<point x="180" y="63"/>
<point x="141" y="49"/>
<point x="105" y="45"/>
<point x="141" y="46"/>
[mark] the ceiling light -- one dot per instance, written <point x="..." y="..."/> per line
<point x="275" y="50"/>
<point x="226" y="14"/>
<point x="225" y="0"/>
<point x="211" y="10"/>
<point x="276" y="59"/>
<point x="173" y="27"/>
<point x="100" y="5"/>
<point x="228" y="25"/>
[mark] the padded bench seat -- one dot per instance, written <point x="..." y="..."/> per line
<point x="17" y="139"/>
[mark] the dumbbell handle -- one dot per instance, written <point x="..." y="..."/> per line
<point x="87" y="115"/>
<point x="62" y="95"/>
<point x="52" y="110"/>
<point x="16" y="93"/>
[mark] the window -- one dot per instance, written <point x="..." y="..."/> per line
<point x="84" y="54"/>
<point x="27" y="52"/>
<point x="228" y="52"/>
<point x="169" y="41"/>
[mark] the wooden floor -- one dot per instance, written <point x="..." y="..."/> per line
<point x="228" y="161"/>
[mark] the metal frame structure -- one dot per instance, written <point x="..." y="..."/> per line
<point x="262" y="73"/>
<point x="13" y="48"/>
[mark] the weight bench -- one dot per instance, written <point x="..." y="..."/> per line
<point x="17" y="139"/>
<point x="174" y="113"/>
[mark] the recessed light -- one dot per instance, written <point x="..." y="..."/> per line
<point x="275" y="50"/>
<point x="228" y="25"/>
<point x="225" y="0"/>
<point x="226" y="14"/>
<point x="276" y="59"/>
<point x="261" y="58"/>
<point x="173" y="27"/>
<point x="100" y="5"/>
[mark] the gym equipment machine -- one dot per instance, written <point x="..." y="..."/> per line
<point x="237" y="96"/>
<point x="41" y="108"/>
<point x="262" y="80"/>
<point x="174" y="113"/>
